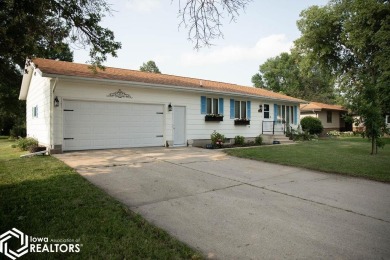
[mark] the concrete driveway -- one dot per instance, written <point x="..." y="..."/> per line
<point x="231" y="208"/>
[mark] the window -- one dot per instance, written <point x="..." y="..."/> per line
<point x="292" y="115"/>
<point x="240" y="109"/>
<point x="329" y="116"/>
<point x="388" y="119"/>
<point x="212" y="106"/>
<point x="35" y="111"/>
<point x="266" y="110"/>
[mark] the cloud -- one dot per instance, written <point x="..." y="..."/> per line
<point x="264" y="48"/>
<point x="143" y="6"/>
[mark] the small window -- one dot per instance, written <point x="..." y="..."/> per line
<point x="212" y="106"/>
<point x="329" y="116"/>
<point x="388" y="119"/>
<point x="266" y="110"/>
<point x="35" y="111"/>
<point x="240" y="109"/>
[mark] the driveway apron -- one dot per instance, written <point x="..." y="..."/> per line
<point x="232" y="208"/>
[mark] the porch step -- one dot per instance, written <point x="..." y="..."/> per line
<point x="282" y="140"/>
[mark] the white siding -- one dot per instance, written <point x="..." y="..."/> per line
<point x="39" y="95"/>
<point x="196" y="127"/>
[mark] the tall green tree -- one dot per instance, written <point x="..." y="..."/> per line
<point x="46" y="28"/>
<point x="351" y="38"/>
<point x="257" y="80"/>
<point x="292" y="74"/>
<point x="150" y="66"/>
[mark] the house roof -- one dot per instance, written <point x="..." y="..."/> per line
<point x="62" y="68"/>
<point x="316" y="106"/>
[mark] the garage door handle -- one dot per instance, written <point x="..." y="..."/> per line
<point x="68" y="138"/>
<point x="68" y="110"/>
<point x="159" y="135"/>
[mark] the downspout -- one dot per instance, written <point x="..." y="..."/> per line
<point x="52" y="113"/>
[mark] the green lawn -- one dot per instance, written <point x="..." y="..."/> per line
<point x="43" y="197"/>
<point x="349" y="156"/>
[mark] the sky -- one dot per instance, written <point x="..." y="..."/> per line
<point x="149" y="30"/>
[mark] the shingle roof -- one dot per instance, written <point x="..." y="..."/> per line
<point x="316" y="106"/>
<point x="53" y="67"/>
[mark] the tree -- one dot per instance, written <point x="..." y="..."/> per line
<point x="257" y="80"/>
<point x="293" y="75"/>
<point x="46" y="28"/>
<point x="351" y="39"/>
<point x="203" y="18"/>
<point x="149" y="66"/>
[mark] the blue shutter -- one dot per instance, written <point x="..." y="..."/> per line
<point x="203" y="108"/>
<point x="220" y="109"/>
<point x="295" y="115"/>
<point x="231" y="108"/>
<point x="275" y="112"/>
<point x="248" y="109"/>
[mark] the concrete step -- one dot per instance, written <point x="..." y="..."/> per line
<point x="281" y="139"/>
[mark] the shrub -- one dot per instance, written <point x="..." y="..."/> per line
<point x="333" y="133"/>
<point x="312" y="125"/>
<point x="17" y="131"/>
<point x="217" y="138"/>
<point x="259" y="139"/>
<point x="26" y="143"/>
<point x="239" y="140"/>
<point x="304" y="136"/>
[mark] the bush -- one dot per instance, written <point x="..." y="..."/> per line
<point x="259" y="140"/>
<point x="18" y="131"/>
<point x="26" y="143"/>
<point x="305" y="136"/>
<point x="312" y="125"/>
<point x="239" y="140"/>
<point x="217" y="139"/>
<point x="333" y="133"/>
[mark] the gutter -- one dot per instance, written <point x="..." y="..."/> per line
<point x="170" y="87"/>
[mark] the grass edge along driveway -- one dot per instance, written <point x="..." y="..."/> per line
<point x="346" y="156"/>
<point x="43" y="197"/>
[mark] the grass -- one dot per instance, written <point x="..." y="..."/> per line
<point x="347" y="156"/>
<point x="43" y="197"/>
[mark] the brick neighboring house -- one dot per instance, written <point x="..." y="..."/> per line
<point x="331" y="116"/>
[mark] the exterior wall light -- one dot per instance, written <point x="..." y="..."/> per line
<point x="170" y="107"/>
<point x="56" y="102"/>
<point x="260" y="108"/>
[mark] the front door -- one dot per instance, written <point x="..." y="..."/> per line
<point x="179" y="129"/>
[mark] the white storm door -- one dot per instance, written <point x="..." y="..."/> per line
<point x="179" y="126"/>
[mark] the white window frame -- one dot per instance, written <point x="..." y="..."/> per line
<point x="240" y="109"/>
<point x="212" y="108"/>
<point x="267" y="111"/>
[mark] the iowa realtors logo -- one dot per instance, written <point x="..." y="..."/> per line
<point x="35" y="244"/>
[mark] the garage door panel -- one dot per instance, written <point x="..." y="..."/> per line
<point x="99" y="125"/>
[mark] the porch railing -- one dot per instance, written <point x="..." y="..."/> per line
<point x="275" y="127"/>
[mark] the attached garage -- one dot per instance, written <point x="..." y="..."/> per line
<point x="101" y="125"/>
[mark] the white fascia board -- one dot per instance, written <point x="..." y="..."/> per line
<point x="25" y="83"/>
<point x="169" y="87"/>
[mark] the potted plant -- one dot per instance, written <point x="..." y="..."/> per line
<point x="213" y="117"/>
<point x="242" y="121"/>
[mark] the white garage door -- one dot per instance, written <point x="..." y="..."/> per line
<point x="100" y="125"/>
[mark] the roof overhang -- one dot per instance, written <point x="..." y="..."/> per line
<point x="169" y="87"/>
<point x="28" y="72"/>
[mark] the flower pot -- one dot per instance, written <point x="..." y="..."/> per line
<point x="213" y="118"/>
<point x="242" y="122"/>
